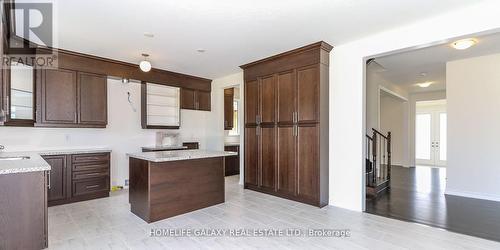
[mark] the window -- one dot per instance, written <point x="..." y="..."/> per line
<point x="235" y="130"/>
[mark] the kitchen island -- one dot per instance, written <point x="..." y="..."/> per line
<point x="169" y="183"/>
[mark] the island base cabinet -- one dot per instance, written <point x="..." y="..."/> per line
<point x="159" y="190"/>
<point x="23" y="211"/>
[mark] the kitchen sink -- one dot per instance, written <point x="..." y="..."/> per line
<point x="14" y="158"/>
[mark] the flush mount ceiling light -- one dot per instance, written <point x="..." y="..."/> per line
<point x="145" y="65"/>
<point x="424" y="84"/>
<point x="464" y="44"/>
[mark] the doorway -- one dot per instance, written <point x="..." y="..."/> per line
<point x="431" y="133"/>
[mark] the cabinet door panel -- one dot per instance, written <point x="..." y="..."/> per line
<point x="268" y="164"/>
<point x="58" y="97"/>
<point x="251" y="102"/>
<point x="308" y="161"/>
<point x="267" y="99"/>
<point x="204" y="100"/>
<point x="286" y="160"/>
<point x="251" y="156"/>
<point x="58" y="177"/>
<point x="187" y="99"/>
<point x="286" y="97"/>
<point x="308" y="94"/>
<point x="92" y="99"/>
<point x="228" y="108"/>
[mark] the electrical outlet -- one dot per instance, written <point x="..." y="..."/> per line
<point x="126" y="182"/>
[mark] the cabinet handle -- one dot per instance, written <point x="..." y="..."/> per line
<point x="93" y="186"/>
<point x="257" y="119"/>
<point x="92" y="174"/>
<point x="48" y="174"/>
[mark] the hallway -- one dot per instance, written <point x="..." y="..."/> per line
<point x="417" y="195"/>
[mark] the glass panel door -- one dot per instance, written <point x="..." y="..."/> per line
<point x="423" y="138"/>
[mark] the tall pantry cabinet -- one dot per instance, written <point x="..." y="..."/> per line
<point x="286" y="124"/>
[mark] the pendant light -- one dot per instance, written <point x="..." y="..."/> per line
<point x="145" y="65"/>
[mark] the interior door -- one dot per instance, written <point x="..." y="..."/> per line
<point x="430" y="137"/>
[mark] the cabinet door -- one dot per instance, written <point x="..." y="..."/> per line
<point x="268" y="158"/>
<point x="58" y="97"/>
<point x="58" y="177"/>
<point x="267" y="99"/>
<point x="251" y="102"/>
<point x="286" y="94"/>
<point x="203" y="100"/>
<point x="286" y="160"/>
<point x="188" y="99"/>
<point x="92" y="99"/>
<point x="308" y="161"/>
<point x="251" y="156"/>
<point x="308" y="94"/>
<point x="228" y="108"/>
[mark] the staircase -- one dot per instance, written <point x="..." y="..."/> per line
<point x="378" y="163"/>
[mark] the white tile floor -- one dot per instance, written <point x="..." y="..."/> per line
<point x="109" y="224"/>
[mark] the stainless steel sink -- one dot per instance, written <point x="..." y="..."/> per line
<point x="14" y="158"/>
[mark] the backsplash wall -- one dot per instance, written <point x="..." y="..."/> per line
<point x="122" y="135"/>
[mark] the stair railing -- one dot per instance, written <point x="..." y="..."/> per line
<point x="379" y="154"/>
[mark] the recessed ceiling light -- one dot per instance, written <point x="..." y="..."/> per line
<point x="425" y="84"/>
<point x="148" y="34"/>
<point x="464" y="43"/>
<point x="201" y="50"/>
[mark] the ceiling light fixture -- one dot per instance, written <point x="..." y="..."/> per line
<point x="145" y="65"/>
<point x="425" y="84"/>
<point x="464" y="44"/>
<point x="201" y="50"/>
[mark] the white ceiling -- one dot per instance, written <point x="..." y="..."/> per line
<point x="233" y="32"/>
<point x="404" y="68"/>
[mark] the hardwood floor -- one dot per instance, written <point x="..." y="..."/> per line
<point x="417" y="195"/>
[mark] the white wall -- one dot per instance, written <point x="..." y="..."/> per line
<point x="394" y="119"/>
<point x="347" y="93"/>
<point x="373" y="84"/>
<point x="473" y="91"/>
<point x="215" y="124"/>
<point x="414" y="98"/>
<point x="123" y="133"/>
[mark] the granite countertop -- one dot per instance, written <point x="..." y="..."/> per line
<point x="179" y="155"/>
<point x="164" y="147"/>
<point x="35" y="162"/>
<point x="231" y="144"/>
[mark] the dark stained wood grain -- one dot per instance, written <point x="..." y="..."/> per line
<point x="307" y="162"/>
<point x="92" y="99"/>
<point x="188" y="99"/>
<point x="286" y="151"/>
<point x="57" y="97"/>
<point x="251" y="102"/>
<point x="159" y="190"/>
<point x="286" y="93"/>
<point x="204" y="100"/>
<point x="58" y="177"/>
<point x="23" y="211"/>
<point x="251" y="156"/>
<point x="228" y="108"/>
<point x="308" y="94"/>
<point x="191" y="145"/>
<point x="268" y="158"/>
<point x="267" y="99"/>
<point x="232" y="163"/>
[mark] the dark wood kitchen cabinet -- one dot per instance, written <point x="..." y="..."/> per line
<point x="228" y="109"/>
<point x="92" y="99"/>
<point x="78" y="177"/>
<point x="67" y="98"/>
<point x="195" y="99"/>
<point x="232" y="163"/>
<point x="59" y="177"/>
<point x="23" y="213"/>
<point x="286" y="124"/>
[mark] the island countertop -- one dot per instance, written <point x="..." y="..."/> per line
<point x="163" y="156"/>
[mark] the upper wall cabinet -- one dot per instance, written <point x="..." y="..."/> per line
<point x="67" y="98"/>
<point x="160" y="106"/>
<point x="19" y="95"/>
<point x="195" y="99"/>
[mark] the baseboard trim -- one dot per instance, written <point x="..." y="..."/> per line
<point x="472" y="195"/>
